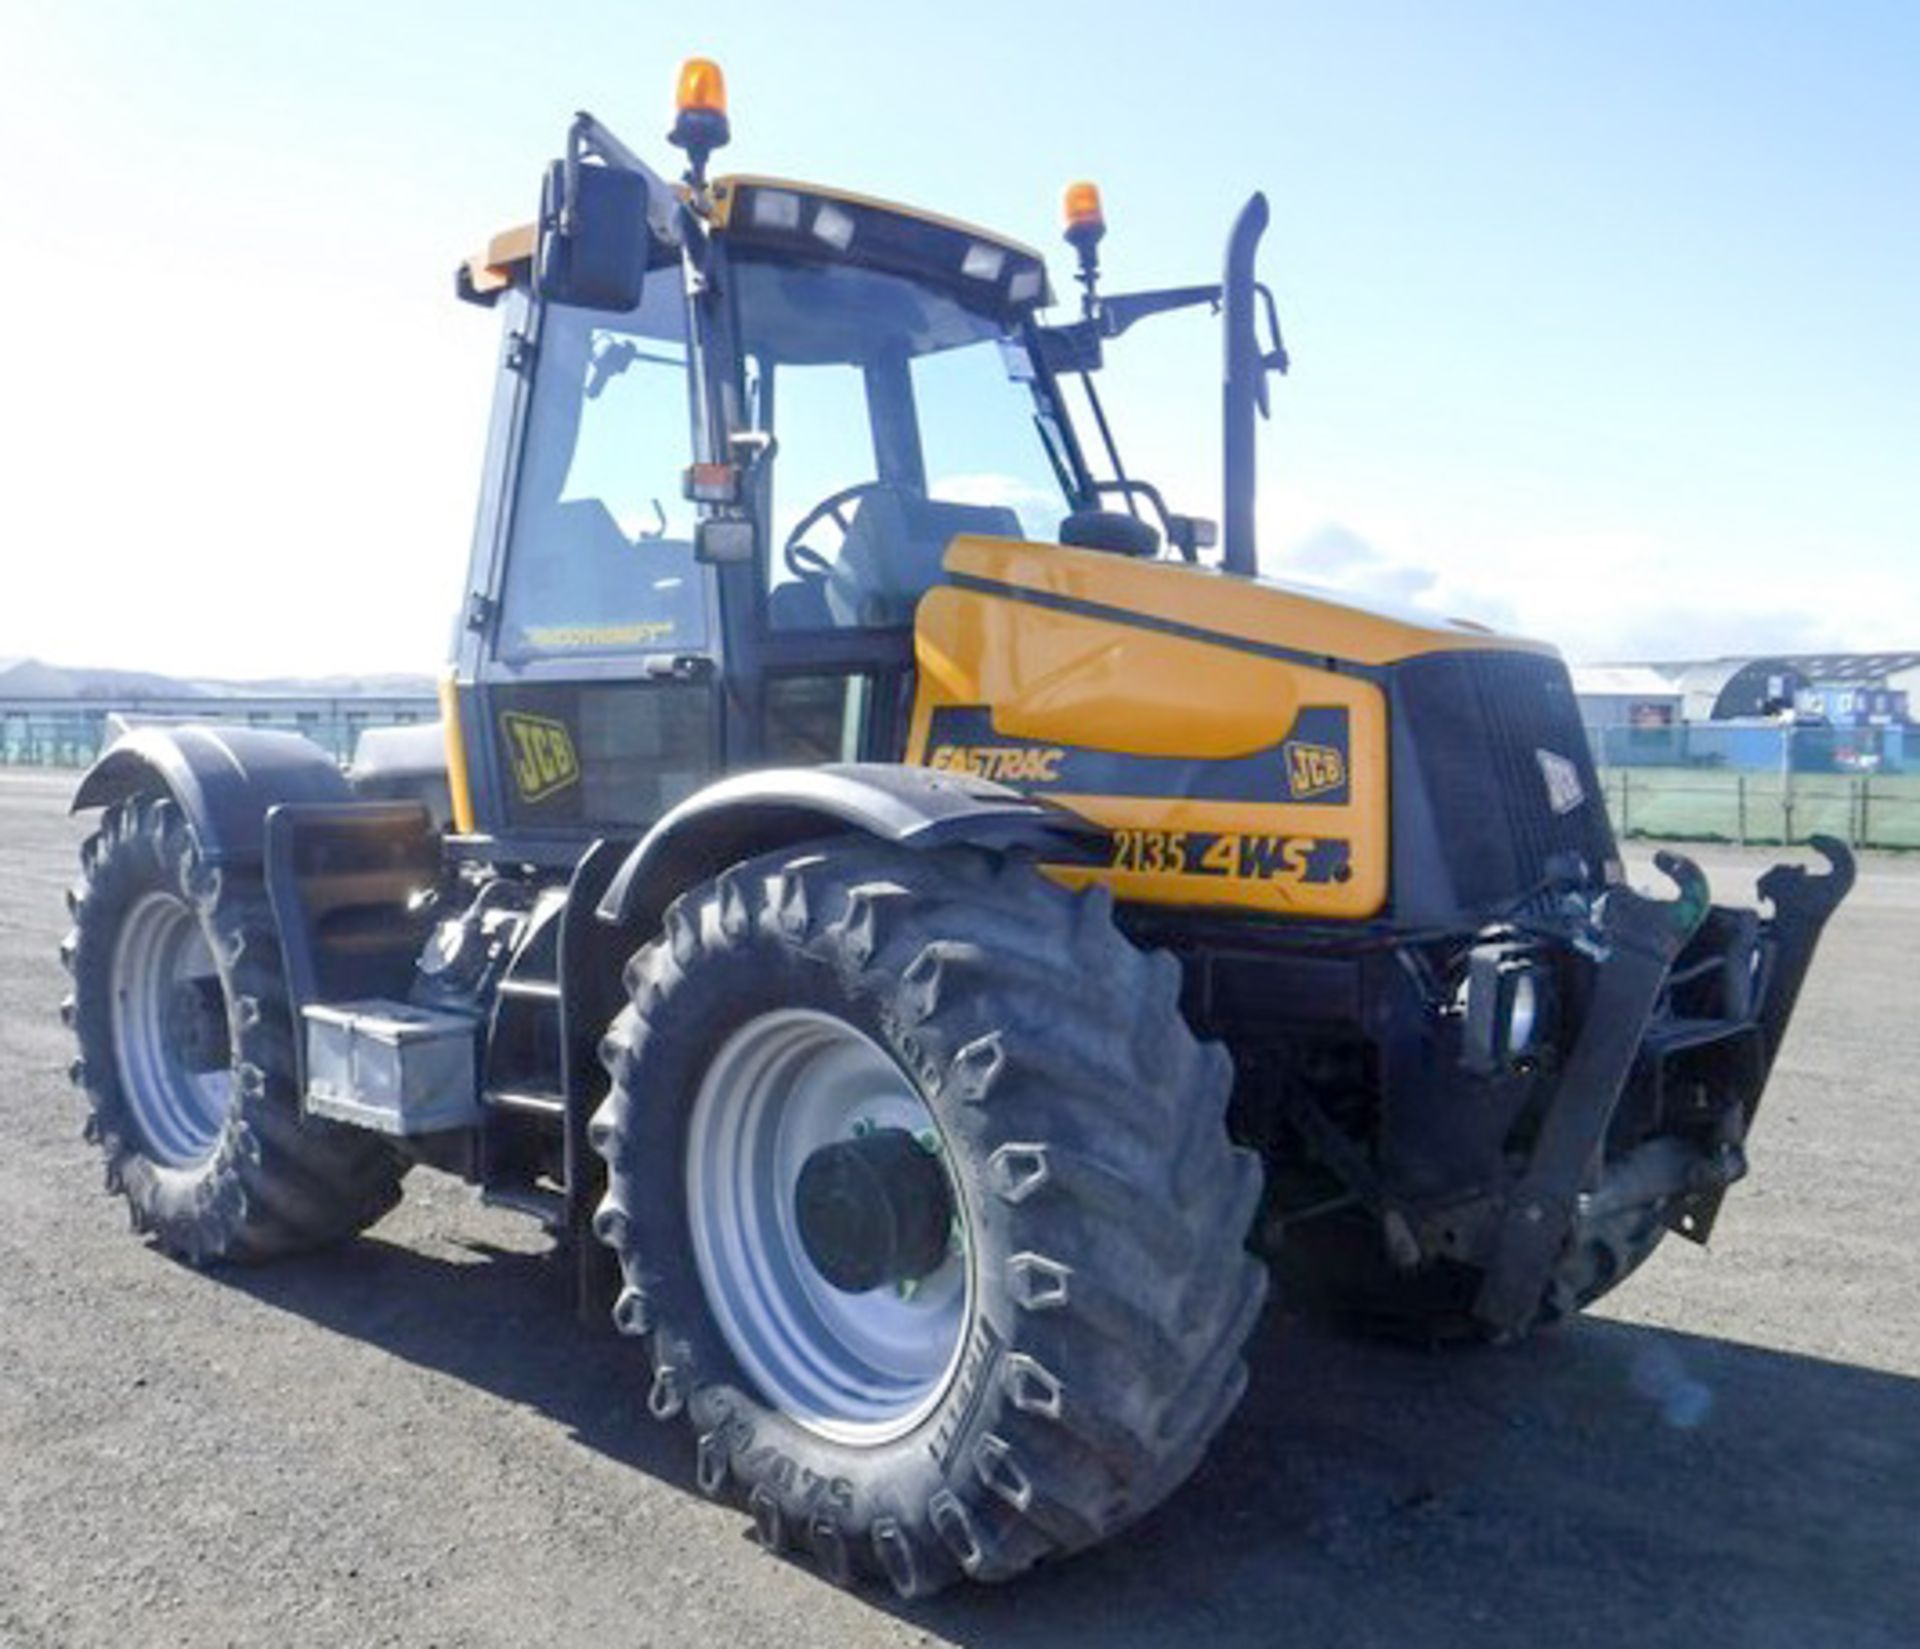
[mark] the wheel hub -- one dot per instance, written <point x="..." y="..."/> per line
<point x="195" y="1023"/>
<point x="874" y="1211"/>
<point x="816" y="1178"/>
<point x="170" y="1032"/>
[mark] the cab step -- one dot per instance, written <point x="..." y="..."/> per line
<point x="548" y="1207"/>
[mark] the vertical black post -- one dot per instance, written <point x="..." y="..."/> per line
<point x="1244" y="392"/>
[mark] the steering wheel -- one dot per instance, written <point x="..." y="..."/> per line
<point x="803" y="560"/>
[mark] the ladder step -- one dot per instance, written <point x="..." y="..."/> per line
<point x="550" y="1106"/>
<point x="548" y="1207"/>
<point x="542" y="990"/>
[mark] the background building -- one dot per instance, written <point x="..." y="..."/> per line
<point x="1626" y="695"/>
<point x="1759" y="748"/>
<point x="1842" y="689"/>
<point x="1858" y="689"/>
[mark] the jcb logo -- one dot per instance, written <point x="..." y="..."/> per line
<point x="541" y="755"/>
<point x="1314" y="769"/>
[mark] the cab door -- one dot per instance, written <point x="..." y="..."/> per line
<point x="590" y="644"/>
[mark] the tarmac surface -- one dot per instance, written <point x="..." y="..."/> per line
<point x="410" y="1440"/>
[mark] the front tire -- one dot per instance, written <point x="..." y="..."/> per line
<point x="1068" y="1340"/>
<point x="185" y="1033"/>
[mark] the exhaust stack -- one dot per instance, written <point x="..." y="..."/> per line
<point x="1245" y="388"/>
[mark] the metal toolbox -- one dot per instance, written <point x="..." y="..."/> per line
<point x="391" y="1066"/>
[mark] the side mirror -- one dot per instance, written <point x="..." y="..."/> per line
<point x="720" y="540"/>
<point x="594" y="238"/>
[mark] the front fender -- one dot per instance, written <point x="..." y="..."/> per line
<point x="223" y="778"/>
<point x="750" y="813"/>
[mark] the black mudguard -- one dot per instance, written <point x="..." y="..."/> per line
<point x="752" y="813"/>
<point x="224" y="779"/>
<point x="276" y="805"/>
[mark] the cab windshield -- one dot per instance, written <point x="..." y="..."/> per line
<point x="900" y="418"/>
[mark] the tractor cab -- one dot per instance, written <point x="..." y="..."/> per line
<point x="870" y="409"/>
<point x="738" y="424"/>
<point x="751" y="474"/>
<point x="720" y="480"/>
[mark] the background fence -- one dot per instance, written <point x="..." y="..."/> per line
<point x="69" y="733"/>
<point x="1753" y="782"/>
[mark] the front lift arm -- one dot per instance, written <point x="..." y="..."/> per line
<point x="1640" y="937"/>
<point x="1640" y="940"/>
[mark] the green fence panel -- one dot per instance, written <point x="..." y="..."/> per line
<point x="1836" y="786"/>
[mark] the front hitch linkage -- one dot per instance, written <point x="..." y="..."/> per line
<point x="1638" y="939"/>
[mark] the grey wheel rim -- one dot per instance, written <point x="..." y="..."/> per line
<point x="179" y="1107"/>
<point x="855" y="1368"/>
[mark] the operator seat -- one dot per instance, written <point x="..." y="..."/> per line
<point x="799" y="604"/>
<point x="892" y="552"/>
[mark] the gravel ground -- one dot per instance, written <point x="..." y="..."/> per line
<point x="411" y="1441"/>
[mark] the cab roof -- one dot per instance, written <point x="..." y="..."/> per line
<point x="508" y="254"/>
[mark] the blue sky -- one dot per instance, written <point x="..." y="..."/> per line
<point x="1603" y="317"/>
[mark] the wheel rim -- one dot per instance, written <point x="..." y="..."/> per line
<point x="174" y="1074"/>
<point x="859" y="1368"/>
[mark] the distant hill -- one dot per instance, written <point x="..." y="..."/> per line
<point x="27" y="678"/>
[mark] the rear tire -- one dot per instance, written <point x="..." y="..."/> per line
<point x="185" y="1034"/>
<point x="1082" y="1335"/>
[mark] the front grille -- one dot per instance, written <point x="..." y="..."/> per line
<point x="1474" y="727"/>
<point x="1530" y="709"/>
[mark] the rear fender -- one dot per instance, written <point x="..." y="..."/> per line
<point x="223" y="778"/>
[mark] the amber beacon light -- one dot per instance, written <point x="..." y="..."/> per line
<point x="700" y="110"/>
<point x="1086" y="222"/>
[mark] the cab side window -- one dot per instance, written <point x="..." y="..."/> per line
<point x="814" y="718"/>
<point x="600" y="561"/>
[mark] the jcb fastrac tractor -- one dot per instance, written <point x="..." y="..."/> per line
<point x="928" y="931"/>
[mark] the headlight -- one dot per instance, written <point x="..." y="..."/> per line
<point x="1503" y="1007"/>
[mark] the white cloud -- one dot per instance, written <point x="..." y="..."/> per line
<point x="1608" y="595"/>
<point x="1340" y="560"/>
<point x="1039" y="510"/>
